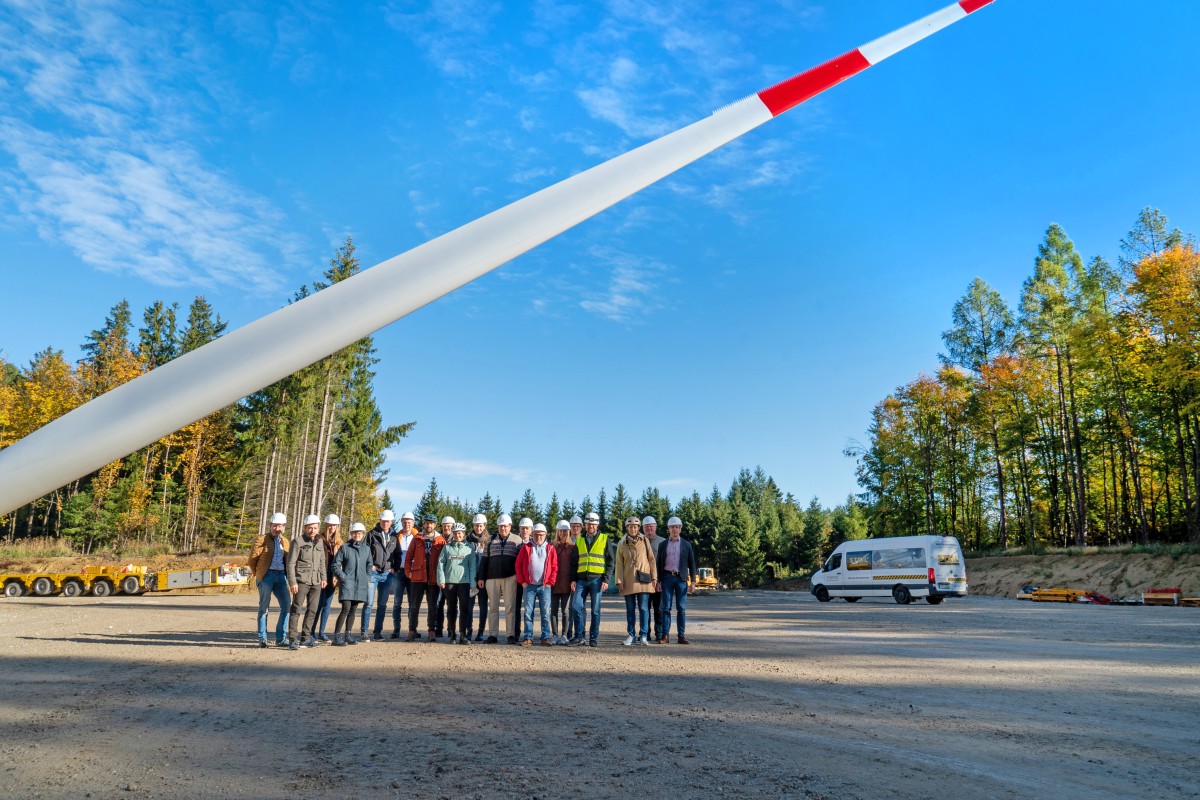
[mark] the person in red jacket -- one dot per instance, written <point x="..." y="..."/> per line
<point x="537" y="568"/>
<point x="420" y="565"/>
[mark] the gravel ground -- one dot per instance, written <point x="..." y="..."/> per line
<point x="777" y="696"/>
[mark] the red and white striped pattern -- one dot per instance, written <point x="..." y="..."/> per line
<point x="794" y="91"/>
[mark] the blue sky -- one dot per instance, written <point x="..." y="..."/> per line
<point x="750" y="310"/>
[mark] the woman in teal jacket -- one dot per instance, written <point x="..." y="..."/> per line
<point x="352" y="566"/>
<point x="456" y="576"/>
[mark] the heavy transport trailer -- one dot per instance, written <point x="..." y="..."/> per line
<point x="129" y="579"/>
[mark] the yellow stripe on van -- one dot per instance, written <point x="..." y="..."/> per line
<point x="919" y="577"/>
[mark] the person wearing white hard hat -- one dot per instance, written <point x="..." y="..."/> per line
<point x="636" y="575"/>
<point x="650" y="531"/>
<point x="381" y="541"/>
<point x="498" y="574"/>
<point x="456" y="578"/>
<point x="420" y="564"/>
<point x="267" y="562"/>
<point x="576" y="525"/>
<point x="448" y="524"/>
<point x="677" y="575"/>
<point x="332" y="539"/>
<point x="306" y="569"/>
<point x="352" y="567"/>
<point x="561" y="618"/>
<point x="404" y="538"/>
<point x="478" y="537"/>
<point x="537" y="569"/>
<point x="524" y="530"/>
<point x="597" y="557"/>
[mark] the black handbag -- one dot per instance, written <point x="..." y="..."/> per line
<point x="645" y="577"/>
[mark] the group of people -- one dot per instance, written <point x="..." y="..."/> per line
<point x="453" y="570"/>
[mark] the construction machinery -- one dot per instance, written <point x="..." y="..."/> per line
<point x="707" y="579"/>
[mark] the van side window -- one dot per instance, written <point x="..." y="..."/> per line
<point x="859" y="560"/>
<point x="834" y="562"/>
<point x="908" y="557"/>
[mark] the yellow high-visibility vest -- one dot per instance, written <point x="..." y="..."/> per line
<point x="592" y="561"/>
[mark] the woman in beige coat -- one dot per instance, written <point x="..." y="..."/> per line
<point x="636" y="574"/>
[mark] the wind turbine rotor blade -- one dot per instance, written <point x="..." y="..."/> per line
<point x="246" y="360"/>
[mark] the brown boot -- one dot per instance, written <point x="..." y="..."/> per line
<point x="431" y="635"/>
<point x="682" y="640"/>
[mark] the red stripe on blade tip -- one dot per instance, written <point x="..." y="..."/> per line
<point x="795" y="90"/>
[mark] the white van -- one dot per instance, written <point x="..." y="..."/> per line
<point x="902" y="566"/>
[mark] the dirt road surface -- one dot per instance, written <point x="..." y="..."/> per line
<point x="777" y="696"/>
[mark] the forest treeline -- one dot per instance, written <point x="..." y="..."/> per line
<point x="313" y="441"/>
<point x="1073" y="419"/>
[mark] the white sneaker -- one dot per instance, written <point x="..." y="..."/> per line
<point x="642" y="641"/>
<point x="628" y="641"/>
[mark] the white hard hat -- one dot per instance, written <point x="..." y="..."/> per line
<point x="447" y="519"/>
<point x="525" y="522"/>
<point x="407" y="515"/>
<point x="312" y="519"/>
<point x="278" y="518"/>
<point x="358" y="526"/>
<point x="592" y="516"/>
<point x="387" y="515"/>
<point x="575" y="520"/>
<point x="333" y="519"/>
<point x="479" y="519"/>
<point x="539" y="528"/>
<point x="649" y="521"/>
<point x="674" y="521"/>
<point x="562" y="525"/>
<point x="504" y="519"/>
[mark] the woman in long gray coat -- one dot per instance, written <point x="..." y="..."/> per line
<point x="352" y="566"/>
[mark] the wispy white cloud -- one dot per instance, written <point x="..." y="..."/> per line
<point x="670" y="483"/>
<point x="632" y="287"/>
<point x="451" y="33"/>
<point x="437" y="462"/>
<point x="98" y="122"/>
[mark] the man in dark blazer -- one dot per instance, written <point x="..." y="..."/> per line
<point x="677" y="578"/>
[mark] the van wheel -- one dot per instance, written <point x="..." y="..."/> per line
<point x="902" y="595"/>
<point x="821" y="593"/>
<point x="43" y="586"/>
<point x="72" y="589"/>
<point x="933" y="599"/>
<point x="850" y="599"/>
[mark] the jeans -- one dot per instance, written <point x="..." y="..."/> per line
<point x="537" y="595"/>
<point x="656" y="616"/>
<point x="274" y="583"/>
<point x="386" y="585"/>
<point x="590" y="586"/>
<point x="674" y="590"/>
<point x="376" y="578"/>
<point x="481" y="601"/>
<point x="326" y="603"/>
<point x="639" y="601"/>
